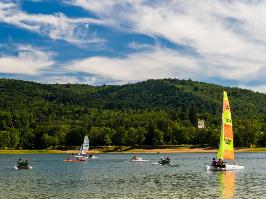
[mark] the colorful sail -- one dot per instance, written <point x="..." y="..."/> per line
<point x="226" y="147"/>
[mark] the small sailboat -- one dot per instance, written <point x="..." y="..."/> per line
<point x="84" y="149"/>
<point x="82" y="155"/>
<point x="226" y="147"/>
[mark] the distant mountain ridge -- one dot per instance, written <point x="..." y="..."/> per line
<point x="150" y="94"/>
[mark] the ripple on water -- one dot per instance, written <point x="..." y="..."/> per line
<point x="111" y="176"/>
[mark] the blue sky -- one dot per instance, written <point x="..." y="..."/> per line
<point x="121" y="41"/>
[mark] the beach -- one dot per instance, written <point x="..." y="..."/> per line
<point x="128" y="150"/>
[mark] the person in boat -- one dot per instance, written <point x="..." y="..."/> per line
<point x="164" y="160"/>
<point x="220" y="163"/>
<point x="19" y="162"/>
<point x="214" y="163"/>
<point x="22" y="163"/>
<point x="134" y="158"/>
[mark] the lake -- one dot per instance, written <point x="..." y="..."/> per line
<point x="113" y="176"/>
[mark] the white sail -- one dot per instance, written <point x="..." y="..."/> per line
<point x="85" y="146"/>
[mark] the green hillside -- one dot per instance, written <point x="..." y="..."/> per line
<point x="152" y="112"/>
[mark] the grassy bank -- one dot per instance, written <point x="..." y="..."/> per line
<point x="114" y="149"/>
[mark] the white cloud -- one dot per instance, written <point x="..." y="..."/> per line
<point x="63" y="79"/>
<point x="258" y="88"/>
<point x="57" y="26"/>
<point x="227" y="36"/>
<point x="159" y="63"/>
<point x="28" y="61"/>
<point x="226" y="39"/>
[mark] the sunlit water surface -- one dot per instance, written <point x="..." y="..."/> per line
<point x="113" y="176"/>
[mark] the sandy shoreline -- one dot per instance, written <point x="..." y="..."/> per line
<point x="127" y="150"/>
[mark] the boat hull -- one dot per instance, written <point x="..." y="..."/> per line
<point x="74" y="160"/>
<point x="81" y="157"/>
<point x="22" y="167"/>
<point x="139" y="160"/>
<point x="86" y="157"/>
<point x="228" y="167"/>
<point x="170" y="164"/>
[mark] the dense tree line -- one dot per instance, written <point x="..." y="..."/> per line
<point x="154" y="112"/>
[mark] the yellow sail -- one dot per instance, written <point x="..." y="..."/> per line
<point x="226" y="147"/>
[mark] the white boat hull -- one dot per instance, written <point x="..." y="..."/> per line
<point x="170" y="164"/>
<point x="22" y="168"/>
<point x="228" y="167"/>
<point x="139" y="160"/>
<point x="86" y="157"/>
<point x="81" y="156"/>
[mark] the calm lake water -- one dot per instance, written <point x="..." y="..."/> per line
<point x="112" y="176"/>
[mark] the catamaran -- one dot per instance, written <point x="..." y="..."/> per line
<point x="226" y="147"/>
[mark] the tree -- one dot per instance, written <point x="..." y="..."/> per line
<point x="75" y="136"/>
<point x="14" y="137"/>
<point x="158" y="137"/>
<point x="192" y="116"/>
<point x="4" y="139"/>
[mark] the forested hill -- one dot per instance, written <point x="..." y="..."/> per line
<point x="149" y="112"/>
<point x="151" y="94"/>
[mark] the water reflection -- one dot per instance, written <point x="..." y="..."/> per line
<point x="227" y="184"/>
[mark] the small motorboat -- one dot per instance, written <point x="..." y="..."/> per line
<point x="137" y="159"/>
<point x="21" y="164"/>
<point x="163" y="161"/>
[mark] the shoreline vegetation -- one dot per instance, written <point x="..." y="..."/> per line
<point x="129" y="150"/>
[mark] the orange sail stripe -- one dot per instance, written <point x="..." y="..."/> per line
<point x="229" y="155"/>
<point x="226" y="106"/>
<point x="228" y="131"/>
